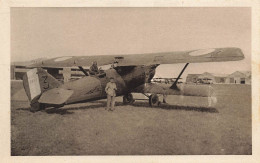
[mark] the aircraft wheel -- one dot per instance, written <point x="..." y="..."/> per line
<point x="37" y="107"/>
<point x="128" y="99"/>
<point x="154" y="100"/>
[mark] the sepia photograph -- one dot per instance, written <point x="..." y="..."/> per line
<point x="90" y="81"/>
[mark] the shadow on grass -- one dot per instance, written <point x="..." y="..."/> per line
<point x="48" y="110"/>
<point x="102" y="104"/>
<point x="57" y="111"/>
<point x="66" y="110"/>
<point x="178" y="107"/>
<point x="63" y="111"/>
<point x="24" y="109"/>
<point x="145" y="104"/>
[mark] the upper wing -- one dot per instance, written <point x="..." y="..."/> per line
<point x="194" y="56"/>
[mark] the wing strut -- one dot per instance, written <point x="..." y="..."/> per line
<point x="81" y="69"/>
<point x="174" y="85"/>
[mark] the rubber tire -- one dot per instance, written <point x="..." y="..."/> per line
<point x="154" y="100"/>
<point x="128" y="99"/>
<point x="37" y="107"/>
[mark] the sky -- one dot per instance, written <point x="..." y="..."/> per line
<point x="52" y="32"/>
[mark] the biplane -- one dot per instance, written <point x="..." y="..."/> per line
<point x="132" y="73"/>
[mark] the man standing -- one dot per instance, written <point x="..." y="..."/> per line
<point x="111" y="94"/>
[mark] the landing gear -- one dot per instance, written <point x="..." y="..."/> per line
<point x="154" y="100"/>
<point x="37" y="107"/>
<point x="128" y="99"/>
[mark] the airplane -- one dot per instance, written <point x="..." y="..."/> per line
<point x="132" y="73"/>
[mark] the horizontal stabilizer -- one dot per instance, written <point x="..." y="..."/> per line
<point x="56" y="96"/>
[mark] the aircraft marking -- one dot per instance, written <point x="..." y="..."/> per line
<point x="96" y="89"/>
<point x="34" y="84"/>
<point x="61" y="59"/>
<point x="45" y="82"/>
<point x="201" y="52"/>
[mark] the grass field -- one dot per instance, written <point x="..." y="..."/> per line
<point x="174" y="129"/>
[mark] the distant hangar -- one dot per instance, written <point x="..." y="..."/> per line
<point x="237" y="77"/>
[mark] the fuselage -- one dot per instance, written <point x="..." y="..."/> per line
<point x="127" y="78"/>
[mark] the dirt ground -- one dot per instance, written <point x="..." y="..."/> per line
<point x="177" y="128"/>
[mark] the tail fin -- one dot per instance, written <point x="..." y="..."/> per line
<point x="37" y="81"/>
